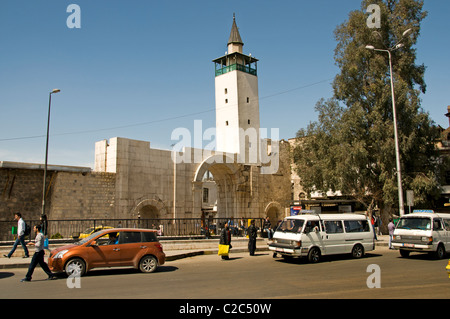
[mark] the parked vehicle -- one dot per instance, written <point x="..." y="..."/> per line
<point x="118" y="247"/>
<point x="89" y="231"/>
<point x="314" y="235"/>
<point x="423" y="231"/>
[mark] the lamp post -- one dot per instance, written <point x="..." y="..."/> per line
<point x="46" y="148"/>
<point x="394" y="112"/>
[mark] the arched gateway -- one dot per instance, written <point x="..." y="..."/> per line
<point x="225" y="171"/>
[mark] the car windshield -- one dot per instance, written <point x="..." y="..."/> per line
<point x="291" y="225"/>
<point x="85" y="240"/>
<point x="422" y="223"/>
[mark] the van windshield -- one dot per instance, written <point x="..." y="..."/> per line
<point x="422" y="223"/>
<point x="291" y="225"/>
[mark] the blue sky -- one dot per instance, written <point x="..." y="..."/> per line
<point x="140" y="69"/>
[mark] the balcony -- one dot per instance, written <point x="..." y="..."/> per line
<point x="234" y="67"/>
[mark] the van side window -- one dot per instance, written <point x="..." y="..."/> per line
<point x="333" y="226"/>
<point x="437" y="225"/>
<point x="356" y="226"/>
<point x="129" y="237"/>
<point x="447" y="224"/>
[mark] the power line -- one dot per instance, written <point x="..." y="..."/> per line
<point x="160" y="120"/>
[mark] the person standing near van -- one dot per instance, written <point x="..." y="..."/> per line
<point x="20" y="236"/>
<point x="391" y="228"/>
<point x="252" y="233"/>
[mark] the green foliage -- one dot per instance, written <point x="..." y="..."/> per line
<point x="351" y="148"/>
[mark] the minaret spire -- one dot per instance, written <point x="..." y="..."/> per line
<point x="235" y="43"/>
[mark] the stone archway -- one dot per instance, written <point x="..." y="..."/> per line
<point x="275" y="212"/>
<point x="150" y="209"/>
<point x="224" y="170"/>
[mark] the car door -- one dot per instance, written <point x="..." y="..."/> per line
<point x="130" y="246"/>
<point x="105" y="252"/>
<point x="334" y="239"/>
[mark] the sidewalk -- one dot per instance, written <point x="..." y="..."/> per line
<point x="174" y="249"/>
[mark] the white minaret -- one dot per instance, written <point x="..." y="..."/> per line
<point x="237" y="103"/>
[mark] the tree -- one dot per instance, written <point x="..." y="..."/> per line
<point x="351" y="146"/>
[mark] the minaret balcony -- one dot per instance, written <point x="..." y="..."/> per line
<point x="236" y="67"/>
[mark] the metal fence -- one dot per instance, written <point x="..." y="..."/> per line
<point x="180" y="227"/>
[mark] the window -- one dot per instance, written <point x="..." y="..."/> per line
<point x="437" y="225"/>
<point x="226" y="123"/>
<point x="356" y="226"/>
<point x="205" y="195"/>
<point x="447" y="224"/>
<point x="248" y="100"/>
<point x="248" y="121"/>
<point x="226" y="91"/>
<point x="291" y="225"/>
<point x="333" y="226"/>
<point x="226" y="101"/>
<point x="129" y="237"/>
<point x="148" y="237"/>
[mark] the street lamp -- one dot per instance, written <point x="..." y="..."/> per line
<point x="46" y="148"/>
<point x="394" y="111"/>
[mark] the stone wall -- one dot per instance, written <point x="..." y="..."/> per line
<point x="71" y="193"/>
<point x="83" y="196"/>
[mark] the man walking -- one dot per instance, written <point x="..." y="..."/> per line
<point x="20" y="236"/>
<point x="38" y="257"/>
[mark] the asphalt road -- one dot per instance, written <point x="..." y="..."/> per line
<point x="245" y="277"/>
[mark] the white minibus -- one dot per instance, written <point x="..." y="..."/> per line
<point x="423" y="231"/>
<point x="314" y="235"/>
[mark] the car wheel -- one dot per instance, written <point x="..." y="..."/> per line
<point x="75" y="267"/>
<point x="358" y="251"/>
<point x="148" y="264"/>
<point x="314" y="255"/>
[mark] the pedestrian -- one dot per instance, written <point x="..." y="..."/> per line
<point x="20" y="236"/>
<point x="391" y="228"/>
<point x="372" y="222"/>
<point x="252" y="233"/>
<point x="38" y="257"/>
<point x="225" y="239"/>
<point x="268" y="228"/>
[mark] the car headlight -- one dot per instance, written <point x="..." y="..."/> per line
<point x="60" y="254"/>
<point x="397" y="237"/>
<point x="427" y="239"/>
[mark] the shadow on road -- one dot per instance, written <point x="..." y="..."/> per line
<point x="5" y="274"/>
<point x="331" y="258"/>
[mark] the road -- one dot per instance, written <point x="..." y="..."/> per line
<point x="245" y="277"/>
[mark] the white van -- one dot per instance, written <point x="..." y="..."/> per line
<point x="314" y="235"/>
<point x="423" y="231"/>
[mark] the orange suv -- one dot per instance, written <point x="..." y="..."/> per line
<point x="118" y="247"/>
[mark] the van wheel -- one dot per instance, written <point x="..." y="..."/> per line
<point x="75" y="267"/>
<point x="314" y="255"/>
<point x="440" y="252"/>
<point x="357" y="251"/>
<point x="148" y="264"/>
